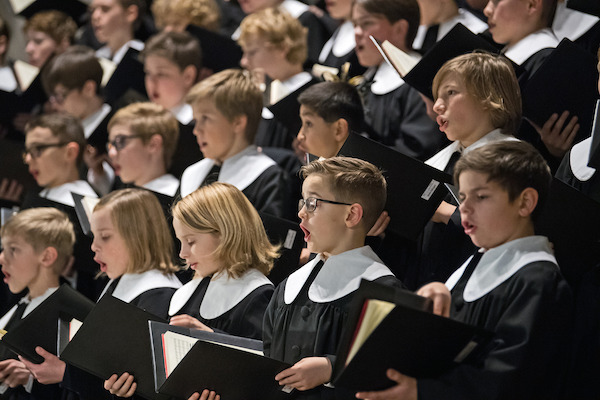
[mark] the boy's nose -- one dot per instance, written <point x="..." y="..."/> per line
<point x="438" y="106"/>
<point x="489" y="9"/>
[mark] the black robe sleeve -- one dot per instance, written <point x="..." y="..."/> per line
<point x="267" y="193"/>
<point x="155" y="301"/>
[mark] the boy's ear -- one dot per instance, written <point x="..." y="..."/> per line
<point x="399" y="32"/>
<point x="535" y="6"/>
<point x="341" y="130"/>
<point x="73" y="150"/>
<point x="155" y="142"/>
<point x="354" y="216"/>
<point x="190" y="74"/>
<point x="239" y="124"/>
<point x="132" y="13"/>
<point x="48" y="256"/>
<point x="89" y="89"/>
<point x="528" y="201"/>
<point x="62" y="46"/>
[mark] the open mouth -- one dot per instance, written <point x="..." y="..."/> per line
<point x="306" y="233"/>
<point x="468" y="227"/>
<point x="6" y="277"/>
<point x="442" y="122"/>
<point x="103" y="266"/>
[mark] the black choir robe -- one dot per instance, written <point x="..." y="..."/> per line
<point x="517" y="291"/>
<point x="234" y="306"/>
<point x="574" y="170"/>
<point x="309" y="309"/>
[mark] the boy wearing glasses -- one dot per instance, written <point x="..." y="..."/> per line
<point x="342" y="199"/>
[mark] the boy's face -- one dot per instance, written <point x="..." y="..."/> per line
<point x="39" y="47"/>
<point x="109" y="19"/>
<point x="326" y="224"/>
<point x="316" y="136"/>
<point x="197" y="248"/>
<point x="260" y="54"/>
<point x="487" y="214"/>
<point x="67" y="101"/>
<point x="460" y="116"/>
<point x="166" y="84"/>
<point x="111" y="251"/>
<point x="508" y="20"/>
<point x="366" y="24"/>
<point x="47" y="158"/>
<point x="133" y="159"/>
<point x="339" y="9"/>
<point x="20" y="263"/>
<point x="217" y="137"/>
<point x="251" y="6"/>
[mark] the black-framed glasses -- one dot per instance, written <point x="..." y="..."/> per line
<point x="120" y="141"/>
<point x="59" y="97"/>
<point x="36" y="150"/>
<point x="311" y="203"/>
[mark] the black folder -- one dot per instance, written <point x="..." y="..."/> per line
<point x="594" y="160"/>
<point x="230" y="372"/>
<point x="458" y="41"/>
<point x="129" y="75"/>
<point x="291" y="238"/>
<point x="40" y="327"/>
<point x="409" y="339"/>
<point x="415" y="190"/>
<point x="74" y="8"/>
<point x="219" y="52"/>
<point x="287" y="109"/>
<point x="567" y="80"/>
<point x="591" y="7"/>
<point x="114" y="339"/>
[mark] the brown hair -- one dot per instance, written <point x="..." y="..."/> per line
<point x="72" y="69"/>
<point x="65" y="127"/>
<point x="353" y="181"/>
<point x="56" y="24"/>
<point x="180" y="48"/>
<point x="202" y="13"/>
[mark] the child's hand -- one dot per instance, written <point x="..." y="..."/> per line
<point x="124" y="386"/>
<point x="306" y="374"/>
<point x="10" y="190"/>
<point x="93" y="160"/>
<point x="443" y="213"/>
<point x="380" y="225"/>
<point x="50" y="371"/>
<point x="206" y="395"/>
<point x="406" y="389"/>
<point x="13" y="373"/>
<point x="189" y="322"/>
<point x="557" y="136"/>
<point x="439" y="293"/>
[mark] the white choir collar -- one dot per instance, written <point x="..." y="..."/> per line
<point x="294" y="7"/>
<point x="62" y="194"/>
<point x="345" y="41"/>
<point x="466" y="18"/>
<point x="297" y="81"/>
<point x="340" y="275"/>
<point x="499" y="264"/>
<point x="572" y="24"/>
<point x="531" y="44"/>
<point x="240" y="170"/>
<point x="266" y="113"/>
<point x="578" y="160"/>
<point x="104" y="51"/>
<point x="131" y="286"/>
<point x="386" y="79"/>
<point x="31" y="305"/>
<point x="8" y="81"/>
<point x="91" y="122"/>
<point x="183" y="113"/>
<point x="166" y="184"/>
<point x="440" y="160"/>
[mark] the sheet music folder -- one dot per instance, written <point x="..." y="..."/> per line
<point x="39" y="328"/>
<point x="232" y="373"/>
<point x="415" y="189"/>
<point x="291" y="238"/>
<point x="112" y="340"/>
<point x="409" y="339"/>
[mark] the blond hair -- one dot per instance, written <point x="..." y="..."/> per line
<point x="42" y="228"/>
<point x="141" y="222"/>
<point x="149" y="119"/>
<point x="234" y="92"/>
<point x="278" y="28"/>
<point x="202" y="13"/>
<point x="353" y="181"/>
<point x="221" y="209"/>
<point x="490" y="80"/>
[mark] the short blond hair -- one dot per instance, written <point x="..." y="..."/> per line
<point x="353" y="181"/>
<point x="278" y="28"/>
<point x="234" y="92"/>
<point x="44" y="227"/>
<point x="202" y="13"/>
<point x="222" y="209"/>
<point x="490" y="79"/>
<point x="141" y="222"/>
<point x="149" y="119"/>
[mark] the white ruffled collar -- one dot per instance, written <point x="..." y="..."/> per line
<point x="571" y="24"/>
<point x="294" y="7"/>
<point x="62" y="194"/>
<point x="531" y="44"/>
<point x="499" y="264"/>
<point x="340" y="275"/>
<point x="184" y="113"/>
<point x="466" y="18"/>
<point x="166" y="184"/>
<point x="579" y="158"/>
<point x="341" y="43"/>
<point x="222" y="294"/>
<point x="240" y="170"/>
<point x="386" y="79"/>
<point x="131" y="286"/>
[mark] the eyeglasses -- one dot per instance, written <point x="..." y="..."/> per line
<point x="120" y="141"/>
<point x="36" y="150"/>
<point x="59" y="97"/>
<point x="311" y="203"/>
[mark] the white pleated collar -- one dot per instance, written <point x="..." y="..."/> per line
<point x="93" y="121"/>
<point x="440" y="160"/>
<point x="62" y="194"/>
<point x="294" y="7"/>
<point x="386" y="79"/>
<point x="579" y="158"/>
<point x="499" y="264"/>
<point x="166" y="184"/>
<point x="223" y="293"/>
<point x="341" y="43"/>
<point x="466" y="18"/>
<point x="31" y="305"/>
<point x="8" y="81"/>
<point x="240" y="170"/>
<point x="183" y="113"/>
<point x="340" y="275"/>
<point x="131" y="286"/>
<point x="531" y="44"/>
<point x="571" y="24"/>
